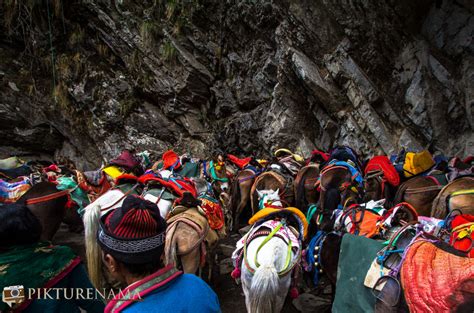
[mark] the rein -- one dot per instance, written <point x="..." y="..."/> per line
<point x="49" y="197"/>
<point x="120" y="199"/>
<point x="269" y="235"/>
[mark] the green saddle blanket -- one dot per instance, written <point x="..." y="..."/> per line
<point x="40" y="265"/>
<point x="355" y="257"/>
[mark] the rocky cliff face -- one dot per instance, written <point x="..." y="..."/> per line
<point x="240" y="76"/>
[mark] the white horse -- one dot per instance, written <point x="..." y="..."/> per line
<point x="267" y="261"/>
<point x="110" y="200"/>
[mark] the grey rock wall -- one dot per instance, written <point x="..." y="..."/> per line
<point x="249" y="76"/>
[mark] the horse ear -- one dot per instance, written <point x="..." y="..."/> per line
<point x="277" y="192"/>
<point x="260" y="194"/>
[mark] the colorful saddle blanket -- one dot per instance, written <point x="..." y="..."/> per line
<point x="175" y="184"/>
<point x="462" y="233"/>
<point x="356" y="174"/>
<point x="94" y="183"/>
<point x="240" y="163"/>
<point x="78" y="196"/>
<point x="435" y="280"/>
<point x="212" y="209"/>
<point x="11" y="192"/>
<point x="382" y="163"/>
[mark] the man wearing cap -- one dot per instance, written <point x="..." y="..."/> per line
<point x="132" y="239"/>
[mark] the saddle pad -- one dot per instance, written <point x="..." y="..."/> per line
<point x="434" y="280"/>
<point x="213" y="212"/>
<point x="382" y="163"/>
<point x="193" y="214"/>
<point x="355" y="257"/>
<point x="240" y="163"/>
<point x="11" y="192"/>
<point x="417" y="163"/>
<point x="462" y="234"/>
<point x="10" y="163"/>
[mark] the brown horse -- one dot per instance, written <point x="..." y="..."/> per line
<point x="376" y="188"/>
<point x="305" y="186"/>
<point x="215" y="172"/>
<point x="48" y="205"/>
<point x="240" y="194"/>
<point x="190" y="242"/>
<point x="271" y="180"/>
<point x="419" y="191"/>
<point x="338" y="190"/>
<point x="463" y="201"/>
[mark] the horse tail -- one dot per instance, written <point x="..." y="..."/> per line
<point x="93" y="252"/>
<point x="265" y="285"/>
<point x="332" y="199"/>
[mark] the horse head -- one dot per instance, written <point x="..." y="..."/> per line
<point x="373" y="186"/>
<point x="269" y="197"/>
<point x="218" y="174"/>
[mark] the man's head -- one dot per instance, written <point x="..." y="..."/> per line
<point x="132" y="239"/>
<point x="18" y="225"/>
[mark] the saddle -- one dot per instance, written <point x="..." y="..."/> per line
<point x="417" y="163"/>
<point x="293" y="214"/>
<point x="10" y="163"/>
<point x="11" y="192"/>
<point x="383" y="164"/>
<point x="387" y="289"/>
<point x="344" y="153"/>
<point x="279" y="182"/>
<point x="446" y="201"/>
<point x="127" y="161"/>
<point x="191" y="216"/>
<point x="240" y="163"/>
<point x="436" y="280"/>
<point x="462" y="233"/>
<point x="94" y="183"/>
<point x="212" y="210"/>
<point x="9" y="174"/>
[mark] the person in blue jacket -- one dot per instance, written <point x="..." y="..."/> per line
<point x="132" y="239"/>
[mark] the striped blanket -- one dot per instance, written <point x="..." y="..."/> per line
<point x="10" y="192"/>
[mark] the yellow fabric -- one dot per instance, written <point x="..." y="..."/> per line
<point x="297" y="157"/>
<point x="267" y="211"/>
<point x="416" y="163"/>
<point x="113" y="171"/>
<point x="262" y="162"/>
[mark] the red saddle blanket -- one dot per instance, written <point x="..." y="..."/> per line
<point x="213" y="212"/>
<point x="177" y="185"/>
<point x="434" y="280"/>
<point x="462" y="234"/>
<point x="382" y="163"/>
<point x="240" y="163"/>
